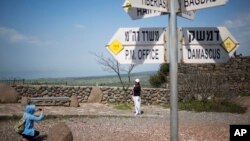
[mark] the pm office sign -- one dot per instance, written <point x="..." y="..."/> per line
<point x="138" y="45"/>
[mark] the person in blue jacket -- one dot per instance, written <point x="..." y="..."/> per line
<point x="29" y="130"/>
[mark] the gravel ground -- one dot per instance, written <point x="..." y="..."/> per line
<point x="192" y="127"/>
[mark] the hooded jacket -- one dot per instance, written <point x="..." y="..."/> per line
<point x="29" y="120"/>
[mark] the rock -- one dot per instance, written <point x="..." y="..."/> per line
<point x="60" y="132"/>
<point x="199" y="97"/>
<point x="112" y="100"/>
<point x="24" y="101"/>
<point x="8" y="94"/>
<point x="95" y="95"/>
<point x="44" y="92"/>
<point x="74" y="101"/>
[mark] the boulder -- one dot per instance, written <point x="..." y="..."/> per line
<point x="74" y="101"/>
<point x="60" y="132"/>
<point x="8" y="94"/>
<point x="24" y="101"/>
<point x="95" y="95"/>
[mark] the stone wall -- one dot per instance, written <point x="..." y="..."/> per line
<point x="149" y="96"/>
<point x="232" y="77"/>
<point x="195" y="80"/>
<point x="53" y="91"/>
<point x="110" y="94"/>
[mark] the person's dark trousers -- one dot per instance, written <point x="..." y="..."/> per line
<point x="31" y="137"/>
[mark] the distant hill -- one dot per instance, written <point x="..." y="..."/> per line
<point x="107" y="80"/>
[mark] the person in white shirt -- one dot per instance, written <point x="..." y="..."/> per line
<point x="137" y="96"/>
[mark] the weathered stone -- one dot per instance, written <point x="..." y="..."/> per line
<point x="8" y="94"/>
<point x="60" y="132"/>
<point x="44" y="92"/>
<point x="24" y="101"/>
<point x="95" y="95"/>
<point x="74" y="101"/>
<point x="112" y="100"/>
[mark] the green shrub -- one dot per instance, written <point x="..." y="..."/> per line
<point x="210" y="106"/>
<point x="123" y="106"/>
<point x="245" y="94"/>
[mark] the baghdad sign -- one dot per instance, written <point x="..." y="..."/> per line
<point x="187" y="5"/>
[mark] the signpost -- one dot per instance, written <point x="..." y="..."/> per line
<point x="187" y="5"/>
<point x="208" y="45"/>
<point x="148" y="45"/>
<point x="158" y="5"/>
<point x="141" y="13"/>
<point x="138" y="45"/>
<point x="187" y="14"/>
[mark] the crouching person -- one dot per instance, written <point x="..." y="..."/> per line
<point x="29" y="116"/>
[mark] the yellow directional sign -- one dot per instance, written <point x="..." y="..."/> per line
<point x="115" y="47"/>
<point x="127" y="4"/>
<point x="229" y="44"/>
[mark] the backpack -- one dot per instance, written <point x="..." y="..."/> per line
<point x="19" y="127"/>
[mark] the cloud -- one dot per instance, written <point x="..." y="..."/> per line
<point x="240" y="27"/>
<point x="14" y="36"/>
<point x="241" y="21"/>
<point x="80" y="26"/>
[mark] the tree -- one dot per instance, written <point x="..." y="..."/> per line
<point x="112" y="65"/>
<point x="160" y="77"/>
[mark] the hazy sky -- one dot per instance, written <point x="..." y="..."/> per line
<point x="56" y="38"/>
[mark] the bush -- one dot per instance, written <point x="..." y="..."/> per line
<point x="123" y="106"/>
<point x="159" y="78"/>
<point x="210" y="106"/>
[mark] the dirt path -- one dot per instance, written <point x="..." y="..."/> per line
<point x="193" y="126"/>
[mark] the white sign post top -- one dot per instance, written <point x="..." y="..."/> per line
<point x="141" y="13"/>
<point x="139" y="36"/>
<point x="187" y="5"/>
<point x="158" y="5"/>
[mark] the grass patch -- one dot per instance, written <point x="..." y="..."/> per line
<point x="245" y="94"/>
<point x="123" y="106"/>
<point x="210" y="106"/>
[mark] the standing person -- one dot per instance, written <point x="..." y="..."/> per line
<point x="29" y="131"/>
<point x="137" y="96"/>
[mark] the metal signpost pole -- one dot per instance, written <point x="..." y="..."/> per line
<point x="173" y="53"/>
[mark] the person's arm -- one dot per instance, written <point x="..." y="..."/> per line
<point x="37" y="118"/>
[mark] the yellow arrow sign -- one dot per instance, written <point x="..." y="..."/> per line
<point x="229" y="44"/>
<point x="115" y="47"/>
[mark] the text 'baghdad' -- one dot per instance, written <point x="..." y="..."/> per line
<point x="197" y="2"/>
